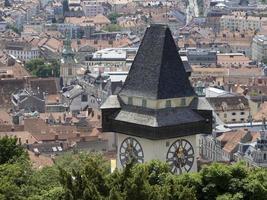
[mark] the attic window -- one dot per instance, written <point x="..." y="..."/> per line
<point x="183" y="102"/>
<point x="144" y="103"/>
<point x="168" y="103"/>
<point x="224" y="106"/>
<point x="130" y="100"/>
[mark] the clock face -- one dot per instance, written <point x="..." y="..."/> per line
<point x="180" y="156"/>
<point x="131" y="150"/>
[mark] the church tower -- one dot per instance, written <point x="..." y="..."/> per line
<point x="154" y="115"/>
<point x="68" y="62"/>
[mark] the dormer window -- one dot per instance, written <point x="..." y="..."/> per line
<point x="168" y="103"/>
<point x="183" y="102"/>
<point x="130" y="100"/>
<point x="144" y="103"/>
<point x="224" y="106"/>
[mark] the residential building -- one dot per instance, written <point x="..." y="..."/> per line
<point x="223" y="146"/>
<point x="29" y="101"/>
<point x="241" y="21"/>
<point x="213" y="18"/>
<point x="201" y="57"/>
<point x="92" y="8"/>
<point x="231" y="109"/>
<point x="232" y="59"/>
<point x="3" y="25"/>
<point x="99" y="21"/>
<point x="254" y="153"/>
<point x="118" y="58"/>
<point x="259" y="48"/>
<point x="88" y="91"/>
<point x="22" y="50"/>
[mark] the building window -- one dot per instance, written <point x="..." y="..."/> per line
<point x="233" y="113"/>
<point x="84" y="98"/>
<point x="233" y="120"/>
<point x="264" y="156"/>
<point x="168" y="103"/>
<point x="183" y="102"/>
<point x="69" y="71"/>
<point x="144" y="103"/>
<point x="242" y="113"/>
<point x="130" y="100"/>
<point x="242" y="119"/>
<point x="225" y="115"/>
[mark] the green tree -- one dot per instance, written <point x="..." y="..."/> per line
<point x="10" y="150"/>
<point x="113" y="17"/>
<point x="39" y="68"/>
<point x="14" y="28"/>
<point x="87" y="177"/>
<point x="112" y="28"/>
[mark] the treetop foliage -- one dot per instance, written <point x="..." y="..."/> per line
<point x="10" y="150"/>
<point x="86" y="176"/>
<point x="38" y="67"/>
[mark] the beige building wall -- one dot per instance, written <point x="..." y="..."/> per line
<point x="233" y="116"/>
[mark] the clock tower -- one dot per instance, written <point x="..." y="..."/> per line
<point x="155" y="115"/>
<point x="68" y="66"/>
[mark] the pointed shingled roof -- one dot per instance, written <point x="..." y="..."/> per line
<point x="157" y="71"/>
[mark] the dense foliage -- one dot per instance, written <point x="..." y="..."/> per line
<point x="87" y="176"/>
<point x="112" y="28"/>
<point x="14" y="28"/>
<point x="9" y="150"/>
<point x="113" y="17"/>
<point x="39" y="68"/>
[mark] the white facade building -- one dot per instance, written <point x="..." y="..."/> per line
<point x="240" y="21"/>
<point x="22" y="51"/>
<point x="92" y="8"/>
<point x="259" y="48"/>
<point x="3" y="25"/>
<point x="120" y="58"/>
